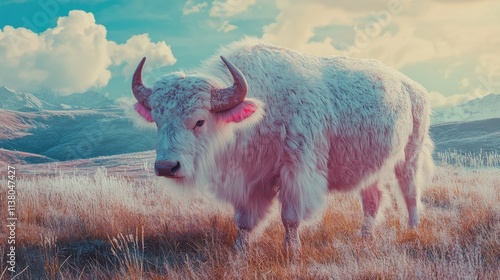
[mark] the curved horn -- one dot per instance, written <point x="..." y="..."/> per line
<point x="227" y="98"/>
<point x="140" y="91"/>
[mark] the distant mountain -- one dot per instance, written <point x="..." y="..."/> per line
<point x="19" y="101"/>
<point x="72" y="134"/>
<point x="487" y="107"/>
<point x="88" y="99"/>
<point x="16" y="100"/>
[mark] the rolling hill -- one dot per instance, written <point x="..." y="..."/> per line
<point x="89" y="125"/>
<point x="67" y="135"/>
<point x="473" y="136"/>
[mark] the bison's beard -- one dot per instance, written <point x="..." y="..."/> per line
<point x="202" y="162"/>
<point x="181" y="182"/>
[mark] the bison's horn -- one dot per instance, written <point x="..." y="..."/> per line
<point x="140" y="91"/>
<point x="227" y="98"/>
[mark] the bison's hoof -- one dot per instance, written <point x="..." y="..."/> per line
<point x="366" y="235"/>
<point x="413" y="219"/>
<point x="241" y="246"/>
<point x="367" y="230"/>
<point x="292" y="245"/>
<point x="242" y="242"/>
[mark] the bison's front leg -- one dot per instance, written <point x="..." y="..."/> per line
<point x="292" y="239"/>
<point x="242" y="242"/>
<point x="251" y="212"/>
<point x="302" y="193"/>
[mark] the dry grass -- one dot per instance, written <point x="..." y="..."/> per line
<point x="469" y="159"/>
<point x="102" y="226"/>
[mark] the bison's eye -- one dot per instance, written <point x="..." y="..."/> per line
<point x="200" y="123"/>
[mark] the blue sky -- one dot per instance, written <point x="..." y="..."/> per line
<point x="449" y="46"/>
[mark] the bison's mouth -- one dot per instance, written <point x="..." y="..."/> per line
<point x="171" y="177"/>
<point x="179" y="181"/>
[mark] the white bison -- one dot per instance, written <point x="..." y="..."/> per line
<point x="267" y="121"/>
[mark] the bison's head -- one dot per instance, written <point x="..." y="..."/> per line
<point x="193" y="116"/>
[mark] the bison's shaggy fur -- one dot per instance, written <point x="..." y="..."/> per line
<point x="309" y="125"/>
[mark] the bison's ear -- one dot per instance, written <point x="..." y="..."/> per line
<point x="239" y="113"/>
<point x="144" y="112"/>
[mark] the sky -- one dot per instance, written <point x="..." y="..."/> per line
<point x="451" y="47"/>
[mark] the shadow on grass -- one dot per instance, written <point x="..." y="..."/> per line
<point x="122" y="255"/>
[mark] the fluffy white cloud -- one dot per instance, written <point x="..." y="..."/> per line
<point x="71" y="57"/>
<point x="296" y="26"/>
<point x="226" y="27"/>
<point x="220" y="10"/>
<point x="158" y="54"/>
<point x="221" y="25"/>
<point x="229" y="8"/>
<point x="400" y="33"/>
<point x="439" y="100"/>
<point x="223" y="9"/>
<point x="191" y="7"/>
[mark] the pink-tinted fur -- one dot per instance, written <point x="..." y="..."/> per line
<point x="309" y="125"/>
<point x="370" y="198"/>
<point x="237" y="114"/>
<point x="143" y="111"/>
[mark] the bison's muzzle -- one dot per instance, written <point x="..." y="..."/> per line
<point x="167" y="168"/>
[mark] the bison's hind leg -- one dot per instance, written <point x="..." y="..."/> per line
<point x="406" y="174"/>
<point x="370" y="198"/>
<point x="412" y="174"/>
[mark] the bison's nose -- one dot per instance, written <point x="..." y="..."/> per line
<point x="167" y="168"/>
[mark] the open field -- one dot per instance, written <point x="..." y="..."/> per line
<point x="119" y="223"/>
